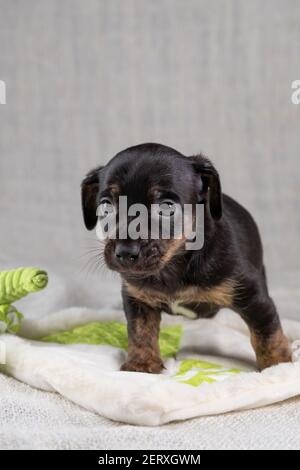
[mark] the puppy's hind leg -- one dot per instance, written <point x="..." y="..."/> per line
<point x="257" y="309"/>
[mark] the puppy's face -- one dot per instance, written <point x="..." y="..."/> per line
<point x="163" y="181"/>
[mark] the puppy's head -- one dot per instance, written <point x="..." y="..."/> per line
<point x="157" y="177"/>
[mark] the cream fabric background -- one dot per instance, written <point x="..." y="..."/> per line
<point x="86" y="79"/>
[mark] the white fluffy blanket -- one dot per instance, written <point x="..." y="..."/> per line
<point x="89" y="375"/>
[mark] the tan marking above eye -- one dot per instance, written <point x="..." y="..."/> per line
<point x="153" y="192"/>
<point x="114" y="188"/>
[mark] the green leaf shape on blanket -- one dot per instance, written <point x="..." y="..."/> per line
<point x="191" y="371"/>
<point x="115" y="334"/>
<point x="10" y="319"/>
<point x="14" y="285"/>
<point x="17" y="283"/>
<point x="196" y="372"/>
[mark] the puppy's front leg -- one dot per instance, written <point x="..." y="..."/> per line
<point x="143" y="333"/>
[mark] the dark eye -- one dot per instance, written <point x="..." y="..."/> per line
<point x="167" y="208"/>
<point x="106" y="207"/>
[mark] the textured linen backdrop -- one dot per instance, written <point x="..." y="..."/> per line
<point x="86" y="79"/>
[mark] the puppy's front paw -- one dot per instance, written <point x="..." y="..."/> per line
<point x="152" y="366"/>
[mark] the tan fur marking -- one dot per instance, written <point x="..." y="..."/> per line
<point x="148" y="297"/>
<point x="221" y="295"/>
<point x="143" y="346"/>
<point x="271" y="350"/>
<point x="174" y="246"/>
<point x="114" y="188"/>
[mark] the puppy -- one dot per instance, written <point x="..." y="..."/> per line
<point x="162" y="275"/>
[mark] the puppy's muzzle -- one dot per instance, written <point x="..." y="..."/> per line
<point x="127" y="253"/>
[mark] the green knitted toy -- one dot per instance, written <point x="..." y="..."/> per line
<point x="14" y="285"/>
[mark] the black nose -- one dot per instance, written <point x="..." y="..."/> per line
<point x="127" y="252"/>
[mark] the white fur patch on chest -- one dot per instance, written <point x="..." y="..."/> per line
<point x="178" y="309"/>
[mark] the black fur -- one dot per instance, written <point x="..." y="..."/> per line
<point x="232" y="249"/>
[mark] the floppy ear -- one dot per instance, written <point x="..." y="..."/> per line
<point x="89" y="191"/>
<point x="211" y="180"/>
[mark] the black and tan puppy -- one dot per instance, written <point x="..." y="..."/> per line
<point x="161" y="275"/>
